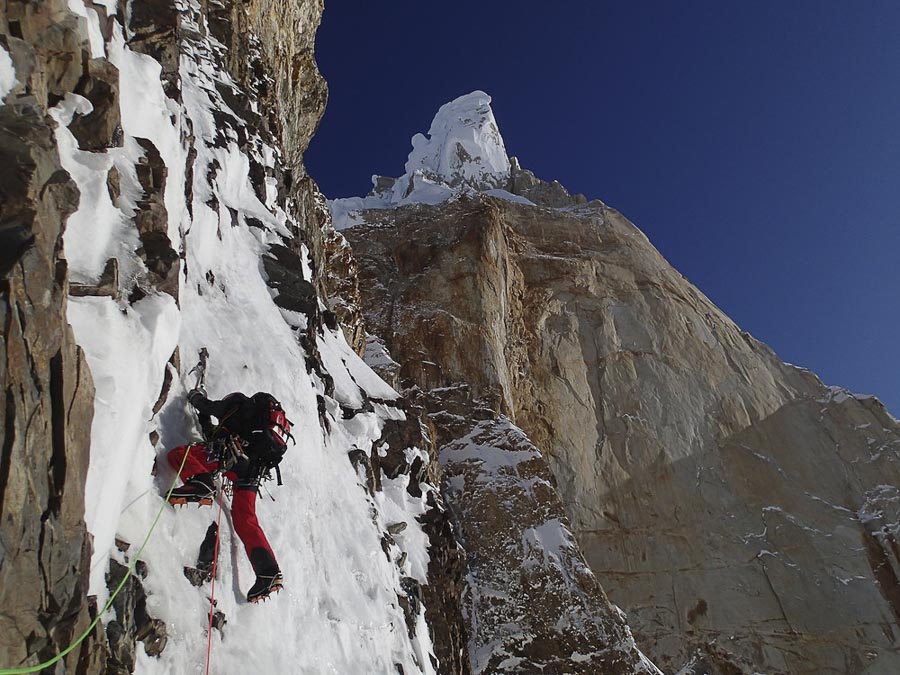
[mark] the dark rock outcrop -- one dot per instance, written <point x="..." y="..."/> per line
<point x="46" y="391"/>
<point x="295" y="294"/>
<point x="151" y="220"/>
<point x="101" y="128"/>
<point x="133" y="623"/>
<point x="446" y="587"/>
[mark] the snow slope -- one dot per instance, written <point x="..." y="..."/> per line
<point x="339" y="611"/>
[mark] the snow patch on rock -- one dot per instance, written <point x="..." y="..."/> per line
<point x="509" y="196"/>
<point x="7" y="73"/>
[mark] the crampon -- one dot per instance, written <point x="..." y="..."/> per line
<point x="264" y="587"/>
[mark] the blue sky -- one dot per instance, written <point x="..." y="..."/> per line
<point x="757" y="144"/>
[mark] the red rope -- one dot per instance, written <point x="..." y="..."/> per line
<point x="212" y="593"/>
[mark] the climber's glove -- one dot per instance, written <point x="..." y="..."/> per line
<point x="195" y="395"/>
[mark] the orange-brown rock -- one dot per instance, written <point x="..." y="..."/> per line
<point x="742" y="513"/>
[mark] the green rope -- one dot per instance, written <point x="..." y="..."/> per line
<point x="64" y="652"/>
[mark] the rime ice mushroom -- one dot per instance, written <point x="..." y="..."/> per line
<point x="463" y="145"/>
<point x="462" y="153"/>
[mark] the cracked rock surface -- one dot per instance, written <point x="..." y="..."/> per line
<point x="744" y="514"/>
<point x="46" y="391"/>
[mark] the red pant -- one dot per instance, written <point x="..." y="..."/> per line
<point x="243" y="504"/>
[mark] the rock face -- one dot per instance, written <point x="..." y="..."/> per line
<point x="281" y="73"/>
<point x="533" y="604"/>
<point x="290" y="84"/>
<point x="727" y="501"/>
<point x="47" y="391"/>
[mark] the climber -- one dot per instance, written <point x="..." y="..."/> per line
<point x="249" y="440"/>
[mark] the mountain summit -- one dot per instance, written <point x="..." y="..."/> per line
<point x="464" y="145"/>
<point x="463" y="153"/>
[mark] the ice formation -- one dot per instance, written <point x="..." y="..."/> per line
<point x="462" y="153"/>
<point x="463" y="144"/>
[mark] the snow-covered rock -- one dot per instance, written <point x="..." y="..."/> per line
<point x="463" y="145"/>
<point x="462" y="153"/>
<point x="7" y="73"/>
<point x="534" y="602"/>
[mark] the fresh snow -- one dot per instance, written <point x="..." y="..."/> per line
<point x="7" y="73"/>
<point x="120" y="447"/>
<point x="841" y="395"/>
<point x="95" y="37"/>
<point x="339" y="611"/>
<point x="552" y="539"/>
<point x="376" y="354"/>
<point x="148" y="113"/>
<point x="99" y="230"/>
<point x="509" y="196"/>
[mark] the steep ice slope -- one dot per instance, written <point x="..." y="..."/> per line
<point x="339" y="612"/>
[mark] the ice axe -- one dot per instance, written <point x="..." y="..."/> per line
<point x="200" y="368"/>
<point x="228" y="448"/>
<point x="209" y="549"/>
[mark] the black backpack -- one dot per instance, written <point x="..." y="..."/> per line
<point x="268" y="442"/>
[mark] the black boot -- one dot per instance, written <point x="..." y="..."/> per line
<point x="203" y="572"/>
<point x="264" y="587"/>
<point x="268" y="576"/>
<point x="200" y="489"/>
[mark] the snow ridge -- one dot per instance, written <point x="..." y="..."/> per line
<point x="463" y="153"/>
